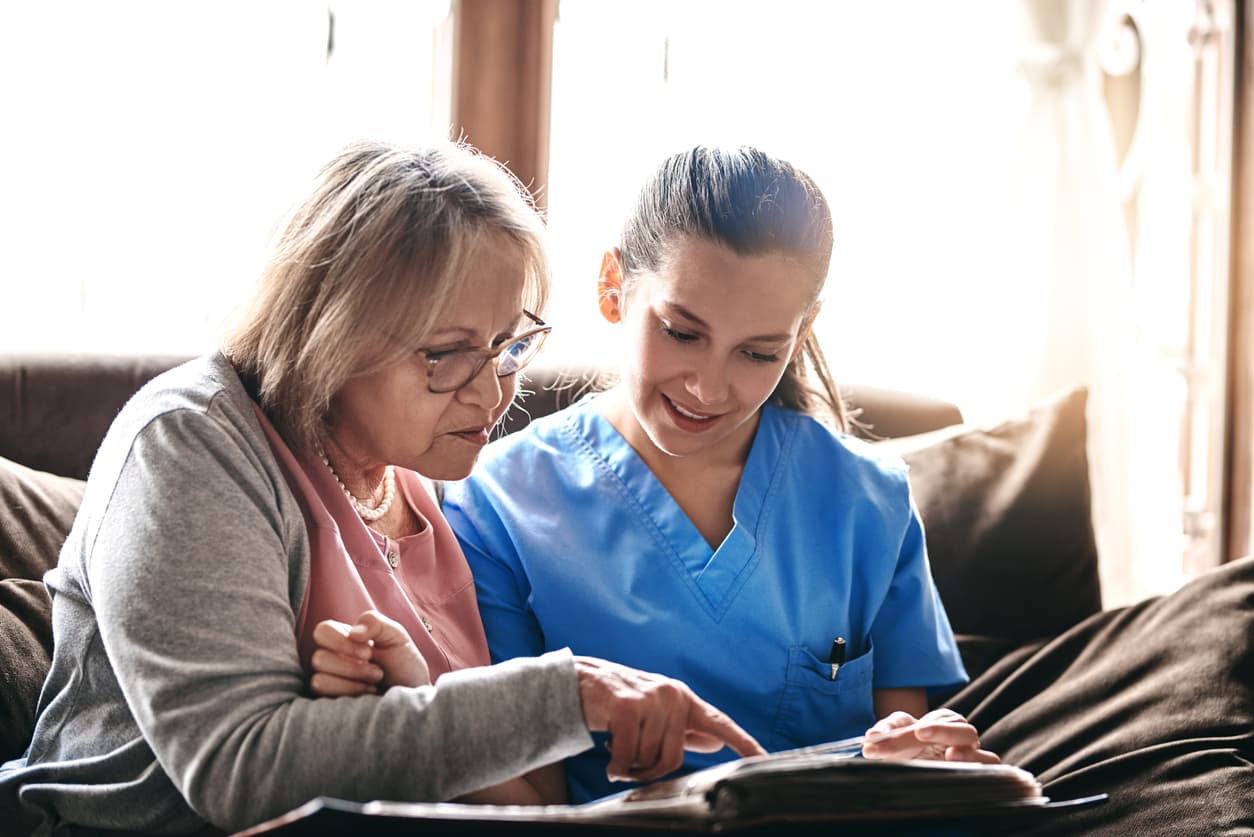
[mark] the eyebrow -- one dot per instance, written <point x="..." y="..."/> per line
<point x="451" y="333"/>
<point x="456" y="334"/>
<point x="761" y="338"/>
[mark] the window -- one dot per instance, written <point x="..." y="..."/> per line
<point x="151" y="148"/>
<point x="871" y="108"/>
<point x="998" y="233"/>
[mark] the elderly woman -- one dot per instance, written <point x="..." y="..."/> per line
<point x="248" y="500"/>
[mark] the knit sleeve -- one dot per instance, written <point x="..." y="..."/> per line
<point x="190" y="571"/>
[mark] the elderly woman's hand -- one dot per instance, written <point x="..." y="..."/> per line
<point x="941" y="734"/>
<point x="651" y="720"/>
<point x="365" y="658"/>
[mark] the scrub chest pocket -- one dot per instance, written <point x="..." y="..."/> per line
<point x="814" y="708"/>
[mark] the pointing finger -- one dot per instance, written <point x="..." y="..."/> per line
<point x="711" y="723"/>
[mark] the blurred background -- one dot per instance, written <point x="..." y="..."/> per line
<point x="1028" y="194"/>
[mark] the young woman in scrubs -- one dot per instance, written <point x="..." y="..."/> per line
<point x="707" y="517"/>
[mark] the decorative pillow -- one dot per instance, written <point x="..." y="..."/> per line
<point x="1009" y="526"/>
<point x="36" y="512"/>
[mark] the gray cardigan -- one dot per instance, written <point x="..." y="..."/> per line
<point x="176" y="696"/>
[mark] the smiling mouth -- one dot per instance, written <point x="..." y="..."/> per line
<point x="688" y="419"/>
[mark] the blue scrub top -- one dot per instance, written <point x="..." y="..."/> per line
<point x="574" y="542"/>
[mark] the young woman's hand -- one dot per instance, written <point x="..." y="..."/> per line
<point x="365" y="658"/>
<point x="941" y="734"/>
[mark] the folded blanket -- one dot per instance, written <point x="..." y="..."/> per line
<point x="1151" y="703"/>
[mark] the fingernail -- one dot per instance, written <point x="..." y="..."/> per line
<point x="925" y="733"/>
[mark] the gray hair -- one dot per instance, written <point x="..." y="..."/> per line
<point x="365" y="267"/>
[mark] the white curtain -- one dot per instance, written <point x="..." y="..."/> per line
<point x="1074" y="249"/>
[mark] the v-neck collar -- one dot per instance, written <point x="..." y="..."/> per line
<point x="714" y="575"/>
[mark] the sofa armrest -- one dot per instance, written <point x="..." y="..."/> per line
<point x="884" y="413"/>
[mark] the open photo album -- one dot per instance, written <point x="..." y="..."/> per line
<point x="829" y="783"/>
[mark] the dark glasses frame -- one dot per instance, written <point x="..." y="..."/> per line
<point x="500" y="354"/>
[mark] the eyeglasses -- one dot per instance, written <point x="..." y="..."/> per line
<point x="449" y="371"/>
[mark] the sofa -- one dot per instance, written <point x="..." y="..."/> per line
<point x="1151" y="704"/>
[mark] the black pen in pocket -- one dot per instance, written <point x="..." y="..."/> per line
<point x="838" y="655"/>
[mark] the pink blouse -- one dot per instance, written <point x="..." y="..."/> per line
<point x="421" y="580"/>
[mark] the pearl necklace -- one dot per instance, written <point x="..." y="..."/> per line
<point x="387" y="486"/>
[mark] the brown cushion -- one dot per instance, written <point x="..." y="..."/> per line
<point x="1009" y="525"/>
<point x="36" y="512"/>
<point x="25" y="654"/>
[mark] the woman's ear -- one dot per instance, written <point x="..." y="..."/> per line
<point x="804" y="334"/>
<point x="610" y="286"/>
